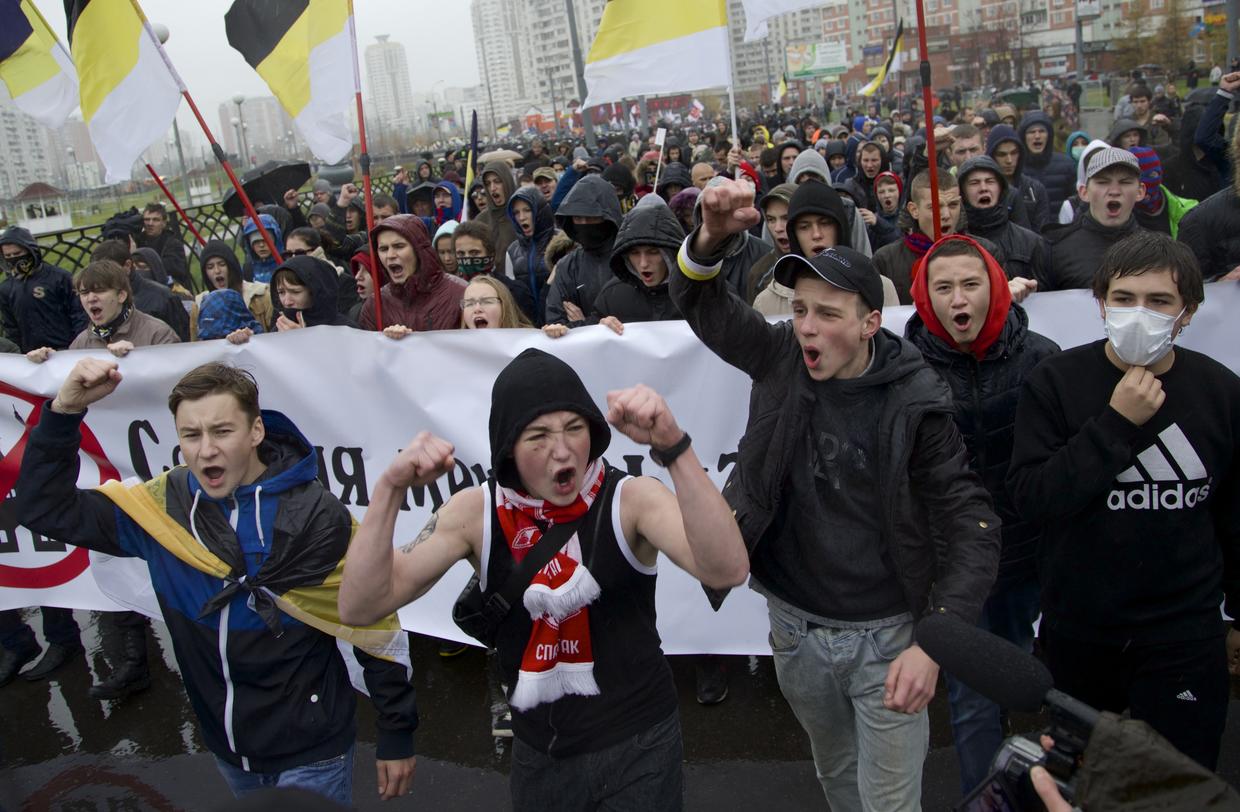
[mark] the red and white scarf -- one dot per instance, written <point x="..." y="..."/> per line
<point x="558" y="660"/>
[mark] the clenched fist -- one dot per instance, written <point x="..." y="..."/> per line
<point x="90" y="380"/>
<point x="727" y="209"/>
<point x="421" y="462"/>
<point x="642" y="415"/>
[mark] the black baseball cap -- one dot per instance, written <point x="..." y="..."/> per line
<point x="845" y="268"/>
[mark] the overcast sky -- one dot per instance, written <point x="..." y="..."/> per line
<point x="438" y="39"/>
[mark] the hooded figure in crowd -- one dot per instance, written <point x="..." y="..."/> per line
<point x="1053" y="168"/>
<point x="39" y="306"/>
<point x="499" y="185"/>
<point x="590" y="215"/>
<point x="1027" y="202"/>
<point x="222" y="312"/>
<point x="420" y="295"/>
<point x="531" y="218"/>
<point x="642" y="261"/>
<point x="316" y="304"/>
<point x="259" y="263"/>
<point x="1025" y="254"/>
<point x="256" y="295"/>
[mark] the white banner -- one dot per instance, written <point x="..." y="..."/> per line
<point x="360" y="396"/>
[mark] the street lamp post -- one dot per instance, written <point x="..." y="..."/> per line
<point x="236" y="122"/>
<point x="241" y="142"/>
<point x="435" y="111"/>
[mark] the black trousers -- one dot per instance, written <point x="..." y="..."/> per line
<point x="1180" y="689"/>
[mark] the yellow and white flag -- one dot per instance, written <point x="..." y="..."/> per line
<point x="647" y="47"/>
<point x="34" y="65"/>
<point x="128" y="94"/>
<point x="895" y="58"/>
<point x="303" y="49"/>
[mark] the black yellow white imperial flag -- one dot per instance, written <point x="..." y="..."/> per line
<point x="303" y="49"/>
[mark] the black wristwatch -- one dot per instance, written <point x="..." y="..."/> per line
<point x="664" y="457"/>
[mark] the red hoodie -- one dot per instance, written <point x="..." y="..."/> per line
<point x="996" y="315"/>
<point x="429" y="299"/>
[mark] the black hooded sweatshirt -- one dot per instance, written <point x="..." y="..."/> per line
<point x="41" y="308"/>
<point x="320" y="278"/>
<point x="581" y="275"/>
<point x="626" y="297"/>
<point x="1077" y="249"/>
<point x="1025" y="253"/>
<point x="526" y="270"/>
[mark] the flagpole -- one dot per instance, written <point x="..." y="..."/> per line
<point x="216" y="149"/>
<point x="926" y="93"/>
<point x="172" y="199"/>
<point x="364" y="160"/>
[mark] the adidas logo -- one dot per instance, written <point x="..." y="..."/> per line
<point x="1171" y="459"/>
<point x="1187" y="696"/>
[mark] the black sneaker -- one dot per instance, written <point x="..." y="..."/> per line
<point x="712" y="680"/>
<point x="12" y="661"/>
<point x="57" y="655"/>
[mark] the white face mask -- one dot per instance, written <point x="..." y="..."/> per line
<point x="1140" y="336"/>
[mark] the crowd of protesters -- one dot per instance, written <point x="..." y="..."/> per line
<point x="967" y="467"/>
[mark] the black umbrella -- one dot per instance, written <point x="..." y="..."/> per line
<point x="267" y="184"/>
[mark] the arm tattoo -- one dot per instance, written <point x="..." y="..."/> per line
<point x="426" y="533"/>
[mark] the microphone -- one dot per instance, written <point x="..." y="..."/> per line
<point x="995" y="668"/>
<point x="990" y="665"/>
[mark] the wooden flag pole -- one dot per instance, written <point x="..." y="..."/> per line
<point x="216" y="149"/>
<point x="364" y="160"/>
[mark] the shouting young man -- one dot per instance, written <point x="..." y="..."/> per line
<point x="594" y="707"/>
<point x="850" y="458"/>
<point x="244" y="548"/>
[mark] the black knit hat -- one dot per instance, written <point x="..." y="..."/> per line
<point x="814" y="197"/>
<point x="532" y="385"/>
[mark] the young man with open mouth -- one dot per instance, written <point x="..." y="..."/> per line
<point x="849" y="457"/>
<point x="244" y="547"/>
<point x="594" y="707"/>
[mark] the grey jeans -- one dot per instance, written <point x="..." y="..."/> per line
<point x="641" y="774"/>
<point x="868" y="758"/>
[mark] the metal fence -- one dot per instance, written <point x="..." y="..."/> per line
<point x="70" y="249"/>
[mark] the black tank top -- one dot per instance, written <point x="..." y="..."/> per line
<point x="634" y="679"/>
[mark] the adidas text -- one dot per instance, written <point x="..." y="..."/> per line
<point x="1157" y="497"/>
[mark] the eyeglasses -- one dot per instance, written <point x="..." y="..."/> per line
<point x="485" y="301"/>
<point x="295" y="252"/>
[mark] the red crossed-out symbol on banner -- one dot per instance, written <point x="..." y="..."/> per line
<point x="76" y="562"/>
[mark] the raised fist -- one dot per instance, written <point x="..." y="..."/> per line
<point x="421" y="462"/>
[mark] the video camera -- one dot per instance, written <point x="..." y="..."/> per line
<point x="1099" y="761"/>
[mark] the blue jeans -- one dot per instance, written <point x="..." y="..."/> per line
<point x="866" y="756"/>
<point x="332" y="778"/>
<point x="640" y="774"/>
<point x="977" y="727"/>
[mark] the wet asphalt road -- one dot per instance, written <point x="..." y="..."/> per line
<point x="63" y="750"/>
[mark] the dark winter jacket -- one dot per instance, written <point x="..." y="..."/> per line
<point x="985" y="393"/>
<point x="1025" y="254"/>
<point x="429" y="299"/>
<point x="1056" y="170"/>
<point x="1077" y="249"/>
<point x="157" y="300"/>
<point x="581" y="275"/>
<point x="526" y="263"/>
<point x="1027" y="200"/>
<point x="41" y="308"/>
<point x="1209" y="137"/>
<point x="496" y="216"/>
<point x="322" y="281"/>
<point x="626" y="297"/>
<point x="1212" y="230"/>
<point x="264" y="700"/>
<point x="924" y="480"/>
<point x="172" y="251"/>
<point x="1188" y="175"/>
